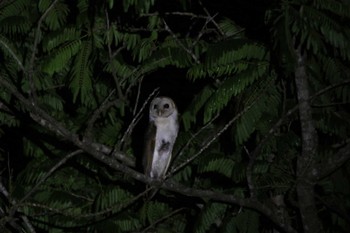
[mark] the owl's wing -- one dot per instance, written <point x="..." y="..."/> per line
<point x="150" y="138"/>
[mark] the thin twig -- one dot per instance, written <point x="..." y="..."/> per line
<point x="183" y="149"/>
<point x="103" y="107"/>
<point x="49" y="173"/>
<point x="180" y="43"/>
<point x="127" y="160"/>
<point x="137" y="97"/>
<point x="162" y="219"/>
<point x="329" y="105"/>
<point x="201" y="32"/>
<point x="136" y="119"/>
<point x="210" y="141"/>
<point x="35" y="45"/>
<point x="37" y="33"/>
<point x="212" y="18"/>
<point x="116" y="207"/>
<point x="176" y="13"/>
<point x="12" y="54"/>
<point x="111" y="56"/>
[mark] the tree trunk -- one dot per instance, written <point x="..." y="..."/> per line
<point x="306" y="161"/>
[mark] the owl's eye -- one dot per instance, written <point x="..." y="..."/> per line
<point x="166" y="106"/>
<point x="155" y="106"/>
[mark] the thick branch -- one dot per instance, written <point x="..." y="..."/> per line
<point x="52" y="125"/>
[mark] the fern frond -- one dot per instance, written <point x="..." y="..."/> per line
<point x="13" y="8"/>
<point x="335" y="7"/>
<point x="260" y="98"/>
<point x="239" y="175"/>
<point x="9" y="120"/>
<point x="81" y="82"/>
<point x="156" y="210"/>
<point x="61" y="57"/>
<point x="127" y="224"/>
<point x="110" y="133"/>
<point x="140" y="6"/>
<point x="16" y="17"/>
<point x="55" y="39"/>
<point x="247" y="221"/>
<point x="209" y="215"/>
<point x="120" y="68"/>
<point x="198" y="102"/>
<point x="230" y="87"/>
<point x="230" y="57"/>
<point x="109" y="197"/>
<point x="32" y="150"/>
<point x="274" y="181"/>
<point x="212" y="163"/>
<point x="336" y="123"/>
<point x="143" y="49"/>
<point x="170" y="52"/>
<point x="16" y="25"/>
<point x="131" y="40"/>
<point x="333" y="32"/>
<point x="114" y="36"/>
<point x="230" y="28"/>
<point x="53" y="102"/>
<point x="57" y="16"/>
<point x="247" y="123"/>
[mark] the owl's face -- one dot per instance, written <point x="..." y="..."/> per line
<point x="162" y="107"/>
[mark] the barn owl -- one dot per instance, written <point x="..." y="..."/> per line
<point x="160" y="137"/>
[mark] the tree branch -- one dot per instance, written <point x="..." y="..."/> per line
<point x="46" y="121"/>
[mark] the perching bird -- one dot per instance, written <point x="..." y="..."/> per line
<point x="160" y="137"/>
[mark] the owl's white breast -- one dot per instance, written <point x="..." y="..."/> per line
<point x="167" y="128"/>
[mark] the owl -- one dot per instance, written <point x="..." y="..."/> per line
<point x="160" y="137"/>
